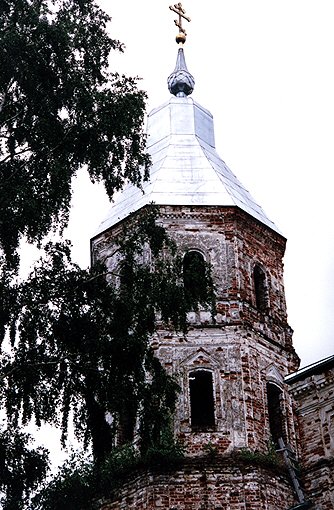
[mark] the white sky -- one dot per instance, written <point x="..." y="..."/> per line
<point x="264" y="69"/>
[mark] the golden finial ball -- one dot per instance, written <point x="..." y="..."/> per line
<point x="180" y="38"/>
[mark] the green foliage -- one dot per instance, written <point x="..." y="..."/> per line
<point x="8" y="293"/>
<point x="82" y="345"/>
<point x="166" y="453"/>
<point x="269" y="458"/>
<point x="210" y="449"/>
<point x="21" y="469"/>
<point x="79" y="344"/>
<point x="73" y="488"/>
<point x="79" y="483"/>
<point x="60" y="109"/>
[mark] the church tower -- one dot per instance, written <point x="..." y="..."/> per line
<point x="234" y="409"/>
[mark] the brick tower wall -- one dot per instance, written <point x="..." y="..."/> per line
<point x="244" y="348"/>
<point x="241" y="363"/>
<point x="204" y="485"/>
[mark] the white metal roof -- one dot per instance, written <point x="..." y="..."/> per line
<point x="186" y="169"/>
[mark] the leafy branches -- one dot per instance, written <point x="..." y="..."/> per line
<point x="21" y="469"/>
<point x="82" y="346"/>
<point x="60" y="109"/>
<point x="78" y="484"/>
<point x="79" y="339"/>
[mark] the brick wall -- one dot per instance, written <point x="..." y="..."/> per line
<point x="242" y="363"/>
<point x="204" y="485"/>
<point x="232" y="242"/>
<point x="313" y="392"/>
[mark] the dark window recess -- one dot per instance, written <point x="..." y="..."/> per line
<point x="201" y="399"/>
<point x="260" y="288"/>
<point x="126" y="427"/>
<point x="276" y="421"/>
<point x="194" y="276"/>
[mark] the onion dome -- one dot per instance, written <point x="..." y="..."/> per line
<point x="180" y="82"/>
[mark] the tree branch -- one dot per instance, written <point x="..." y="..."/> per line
<point x="105" y="273"/>
<point x="11" y="118"/>
<point x="47" y="363"/>
<point x="11" y="156"/>
<point x="4" y="96"/>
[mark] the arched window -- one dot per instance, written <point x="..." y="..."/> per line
<point x="201" y="399"/>
<point x="275" y="413"/>
<point x="260" y="288"/>
<point x="194" y="276"/>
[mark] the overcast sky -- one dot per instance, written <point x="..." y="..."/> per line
<point x="265" y="71"/>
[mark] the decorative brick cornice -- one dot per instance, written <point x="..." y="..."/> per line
<point x="309" y="385"/>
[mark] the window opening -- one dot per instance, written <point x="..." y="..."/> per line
<point x="275" y="414"/>
<point x="260" y="288"/>
<point x="194" y="275"/>
<point x="201" y="399"/>
<point x="126" y="427"/>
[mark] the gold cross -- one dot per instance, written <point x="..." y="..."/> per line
<point x="181" y="12"/>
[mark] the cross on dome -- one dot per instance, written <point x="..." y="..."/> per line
<point x="181" y="36"/>
<point x="180" y="81"/>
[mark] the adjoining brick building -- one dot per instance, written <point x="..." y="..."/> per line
<point x="312" y="389"/>
<point x="234" y="400"/>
